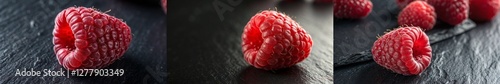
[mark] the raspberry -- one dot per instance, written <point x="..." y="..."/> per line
<point x="452" y="12"/>
<point x="87" y="38"/>
<point x="418" y="13"/>
<point x="405" y="50"/>
<point x="483" y="10"/>
<point x="272" y="40"/>
<point x="353" y="9"/>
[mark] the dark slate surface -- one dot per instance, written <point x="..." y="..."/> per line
<point x="26" y="40"/>
<point x="202" y="48"/>
<point x="471" y="57"/>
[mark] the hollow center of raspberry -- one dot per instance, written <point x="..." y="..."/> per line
<point x="69" y="38"/>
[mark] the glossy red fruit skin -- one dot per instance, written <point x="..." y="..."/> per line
<point x="272" y="40"/>
<point x="483" y="10"/>
<point x="405" y="51"/>
<point x="86" y="38"/>
<point x="418" y="13"/>
<point x="452" y="12"/>
<point x="352" y="9"/>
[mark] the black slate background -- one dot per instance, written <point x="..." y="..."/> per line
<point x="202" y="48"/>
<point x="467" y="58"/>
<point x="26" y="40"/>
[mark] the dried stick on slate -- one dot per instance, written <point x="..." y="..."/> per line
<point x="434" y="37"/>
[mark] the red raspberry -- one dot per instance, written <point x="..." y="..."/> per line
<point x="87" y="38"/>
<point x="418" y="13"/>
<point x="405" y="50"/>
<point x="272" y="40"/>
<point x="452" y="12"/>
<point x="353" y="9"/>
<point x="483" y="10"/>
